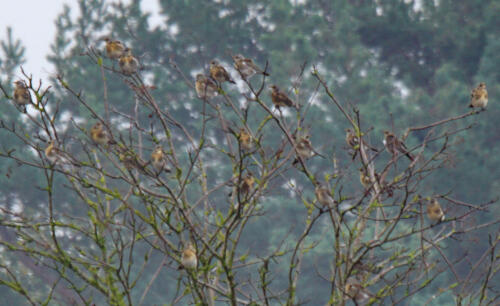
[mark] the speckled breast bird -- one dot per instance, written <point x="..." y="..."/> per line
<point x="247" y="184"/>
<point x="479" y="96"/>
<point x="304" y="149"/>
<point x="114" y="48"/>
<point x="158" y="159"/>
<point x="189" y="261"/>
<point x="205" y="87"/>
<point x="351" y="139"/>
<point x="364" y="178"/>
<point x="21" y="95"/>
<point x="434" y="211"/>
<point x="245" y="139"/>
<point x="280" y="99"/>
<point x="128" y="63"/>
<point x="395" y="146"/>
<point x="323" y="195"/>
<point x="100" y="135"/>
<point x="55" y="156"/>
<point x="219" y="73"/>
<point x="246" y="66"/>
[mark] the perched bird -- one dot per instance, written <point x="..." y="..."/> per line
<point x="205" y="87"/>
<point x="189" y="261"/>
<point x="364" y="178"/>
<point x="246" y="66"/>
<point x="356" y="292"/>
<point x="158" y="159"/>
<point x="114" y="48"/>
<point x="434" y="211"/>
<point x="247" y="184"/>
<point x="100" y="135"/>
<point x="351" y="139"/>
<point x="304" y="148"/>
<point x="279" y="98"/>
<point x="21" y="94"/>
<point x="219" y="73"/>
<point x="395" y="146"/>
<point x="323" y="195"/>
<point x="128" y="63"/>
<point x="131" y="160"/>
<point x="479" y="96"/>
<point x="56" y="156"/>
<point x="245" y="139"/>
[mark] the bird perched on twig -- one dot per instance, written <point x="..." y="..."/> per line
<point x="479" y="96"/>
<point x="114" y="48"/>
<point x="245" y="139"/>
<point x="246" y="66"/>
<point x="323" y="195"/>
<point x="364" y="178"/>
<point x="357" y="292"/>
<point x="247" y="184"/>
<point x="55" y="156"/>
<point x="158" y="159"/>
<point x="279" y="98"/>
<point x="205" y="87"/>
<point x="128" y="63"/>
<point x="100" y="135"/>
<point x="352" y="141"/>
<point x="395" y="146"/>
<point x="219" y="73"/>
<point x="305" y="149"/>
<point x="21" y="95"/>
<point x="131" y="160"/>
<point x="434" y="211"/>
<point x="189" y="261"/>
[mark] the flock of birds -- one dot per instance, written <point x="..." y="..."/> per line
<point x="207" y="87"/>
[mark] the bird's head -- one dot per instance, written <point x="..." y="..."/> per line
<point x="19" y="83"/>
<point x="200" y="77"/>
<point x="238" y="57"/>
<point x="214" y="63"/>
<point x="482" y="85"/>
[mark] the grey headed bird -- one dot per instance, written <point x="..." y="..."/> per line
<point x="246" y="66"/>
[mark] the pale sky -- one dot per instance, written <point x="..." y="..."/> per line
<point x="32" y="21"/>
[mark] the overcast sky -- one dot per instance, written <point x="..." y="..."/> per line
<point x="33" y="22"/>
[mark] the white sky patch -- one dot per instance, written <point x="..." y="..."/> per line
<point x="405" y="91"/>
<point x="153" y="8"/>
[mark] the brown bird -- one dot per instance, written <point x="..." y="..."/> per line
<point x="189" y="261"/>
<point x="279" y="98"/>
<point x="434" y="211"/>
<point x="55" y="156"/>
<point x="158" y="159"/>
<point x="364" y="178"/>
<point x="132" y="161"/>
<point x="21" y="94"/>
<point x="245" y="139"/>
<point x="323" y="195"/>
<point x="247" y="184"/>
<point x="205" y="87"/>
<point x="114" y="48"/>
<point x="246" y="66"/>
<point x="351" y="139"/>
<point x="357" y="292"/>
<point x="128" y="63"/>
<point x="304" y="149"/>
<point x="100" y="135"/>
<point x="479" y="96"/>
<point x="219" y="73"/>
<point x="395" y="146"/>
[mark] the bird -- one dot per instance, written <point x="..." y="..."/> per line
<point x="128" y="63"/>
<point x="395" y="146"/>
<point x="55" y="156"/>
<point x="434" y="211"/>
<point x="131" y="160"/>
<point x="479" y="96"/>
<point x="100" y="135"/>
<point x="279" y="98"/>
<point x="158" y="159"/>
<point x="114" y="48"/>
<point x="219" y="73"/>
<point x="247" y="184"/>
<point x="351" y="139"/>
<point x="21" y="94"/>
<point x="246" y="66"/>
<point x="189" y="261"/>
<point x="323" y="195"/>
<point x="356" y="291"/>
<point x="364" y="178"/>
<point x="245" y="139"/>
<point x="205" y="87"/>
<point x="304" y="149"/>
